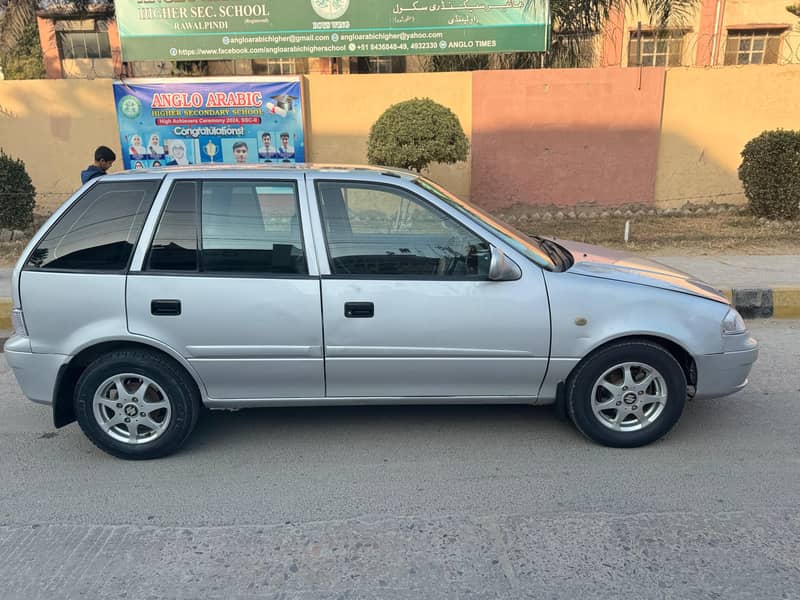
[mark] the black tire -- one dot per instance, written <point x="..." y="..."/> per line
<point x="581" y="383"/>
<point x="179" y="387"/>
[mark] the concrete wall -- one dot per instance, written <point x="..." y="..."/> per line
<point x="538" y="137"/>
<point x="54" y="126"/>
<point x="343" y="108"/>
<point x="709" y="115"/>
<point x="565" y="136"/>
<point x="742" y="12"/>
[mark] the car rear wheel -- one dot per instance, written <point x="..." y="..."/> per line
<point x="136" y="404"/>
<point x="626" y="395"/>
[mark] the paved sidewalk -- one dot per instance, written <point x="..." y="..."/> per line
<point x="739" y="271"/>
<point x="5" y="283"/>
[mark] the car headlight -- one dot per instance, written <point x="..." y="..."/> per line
<point x="733" y="323"/>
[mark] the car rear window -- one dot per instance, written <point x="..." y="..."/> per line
<point x="249" y="227"/>
<point x="99" y="231"/>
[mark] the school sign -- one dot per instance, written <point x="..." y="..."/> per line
<point x="245" y="29"/>
<point x="164" y="122"/>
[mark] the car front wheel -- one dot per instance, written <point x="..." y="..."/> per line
<point x="626" y="395"/>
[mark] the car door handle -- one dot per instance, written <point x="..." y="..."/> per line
<point x="359" y="310"/>
<point x="165" y="308"/>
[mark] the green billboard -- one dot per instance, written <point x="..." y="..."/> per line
<point x="244" y="29"/>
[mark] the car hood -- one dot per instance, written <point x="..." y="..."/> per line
<point x="596" y="261"/>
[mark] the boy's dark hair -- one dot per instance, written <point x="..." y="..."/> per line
<point x="239" y="145"/>
<point x="104" y="153"/>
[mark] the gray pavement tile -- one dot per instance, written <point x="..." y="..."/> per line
<point x="726" y="555"/>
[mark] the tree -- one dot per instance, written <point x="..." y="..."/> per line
<point x="20" y="52"/>
<point x="77" y="7"/>
<point x="576" y="16"/>
<point x="24" y="60"/>
<point x="415" y="133"/>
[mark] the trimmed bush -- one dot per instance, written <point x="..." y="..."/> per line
<point x="17" y="194"/>
<point x="770" y="173"/>
<point x="415" y="133"/>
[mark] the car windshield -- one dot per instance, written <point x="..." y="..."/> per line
<point x="529" y="247"/>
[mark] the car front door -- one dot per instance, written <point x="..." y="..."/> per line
<point x="408" y="308"/>
<point x="227" y="283"/>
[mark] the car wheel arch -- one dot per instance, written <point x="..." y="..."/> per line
<point x="70" y="373"/>
<point x="683" y="356"/>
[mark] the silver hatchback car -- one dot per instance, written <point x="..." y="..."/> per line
<point x="150" y="294"/>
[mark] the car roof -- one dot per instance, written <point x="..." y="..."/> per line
<point x="272" y="169"/>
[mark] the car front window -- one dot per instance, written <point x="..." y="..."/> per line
<point x="382" y="231"/>
<point x="528" y="247"/>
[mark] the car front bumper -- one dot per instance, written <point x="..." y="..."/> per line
<point x="725" y="373"/>
<point x="35" y="373"/>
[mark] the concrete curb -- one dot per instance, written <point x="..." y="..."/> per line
<point x="766" y="303"/>
<point x="752" y="303"/>
<point x="5" y="314"/>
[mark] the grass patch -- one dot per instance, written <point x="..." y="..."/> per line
<point x="707" y="234"/>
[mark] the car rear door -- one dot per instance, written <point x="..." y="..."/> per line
<point x="224" y="278"/>
<point x="73" y="284"/>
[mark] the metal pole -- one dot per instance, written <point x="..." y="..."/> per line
<point x="639" y="52"/>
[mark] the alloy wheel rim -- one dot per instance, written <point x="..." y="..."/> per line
<point x="131" y="408"/>
<point x="629" y="396"/>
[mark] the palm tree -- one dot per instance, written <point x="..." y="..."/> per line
<point x="576" y="16"/>
<point x="20" y="53"/>
<point x="17" y="17"/>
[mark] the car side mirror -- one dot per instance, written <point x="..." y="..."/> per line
<point x="502" y="268"/>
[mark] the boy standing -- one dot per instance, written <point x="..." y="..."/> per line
<point x="104" y="157"/>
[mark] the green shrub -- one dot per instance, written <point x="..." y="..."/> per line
<point x="17" y="194"/>
<point x="770" y="173"/>
<point x="416" y="133"/>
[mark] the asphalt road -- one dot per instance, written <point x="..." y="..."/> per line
<point x="422" y="502"/>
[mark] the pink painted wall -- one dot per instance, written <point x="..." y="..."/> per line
<point x="613" y="38"/>
<point x="47" y="38"/>
<point x="565" y="137"/>
<point x="116" y="48"/>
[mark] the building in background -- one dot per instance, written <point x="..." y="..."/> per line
<point x="87" y="46"/>
<point x="82" y="46"/>
<point x="719" y="33"/>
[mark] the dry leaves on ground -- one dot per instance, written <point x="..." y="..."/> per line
<point x="668" y="235"/>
